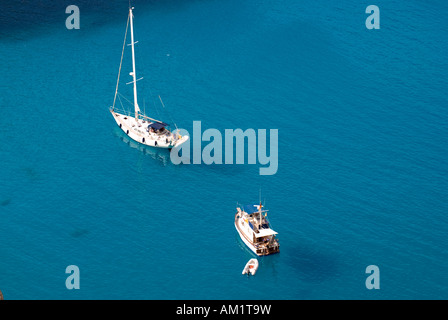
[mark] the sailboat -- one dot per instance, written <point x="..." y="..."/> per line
<point x="140" y="127"/>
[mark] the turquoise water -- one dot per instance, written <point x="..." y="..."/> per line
<point x="362" y="174"/>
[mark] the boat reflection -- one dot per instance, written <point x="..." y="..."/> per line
<point x="159" y="154"/>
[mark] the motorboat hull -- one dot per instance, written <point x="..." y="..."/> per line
<point x="245" y="234"/>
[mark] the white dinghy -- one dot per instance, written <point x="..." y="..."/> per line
<point x="251" y="267"/>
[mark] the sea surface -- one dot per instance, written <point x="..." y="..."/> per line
<point x="362" y="119"/>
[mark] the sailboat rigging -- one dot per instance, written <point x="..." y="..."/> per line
<point x="140" y="127"/>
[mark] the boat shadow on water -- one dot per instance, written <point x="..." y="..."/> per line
<point x="161" y="155"/>
<point x="313" y="266"/>
<point x="5" y="202"/>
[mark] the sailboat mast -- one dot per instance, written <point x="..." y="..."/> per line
<point x="137" y="109"/>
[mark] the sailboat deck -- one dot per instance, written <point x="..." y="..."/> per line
<point x="138" y="130"/>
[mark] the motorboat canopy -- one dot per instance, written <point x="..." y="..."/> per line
<point x="265" y="233"/>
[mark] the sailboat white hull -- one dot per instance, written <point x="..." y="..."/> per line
<point x="137" y="131"/>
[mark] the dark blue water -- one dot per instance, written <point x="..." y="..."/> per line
<point x="362" y="174"/>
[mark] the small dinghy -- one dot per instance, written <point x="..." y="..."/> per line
<point x="251" y="267"/>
